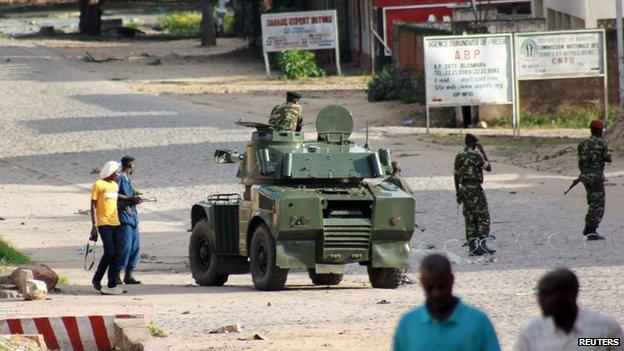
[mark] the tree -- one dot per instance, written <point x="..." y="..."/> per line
<point x="90" y="16"/>
<point x="481" y="16"/>
<point x="208" y="30"/>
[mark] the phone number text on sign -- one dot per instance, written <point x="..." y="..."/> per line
<point x="468" y="70"/>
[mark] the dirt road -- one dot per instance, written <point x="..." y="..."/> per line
<point x="59" y="121"/>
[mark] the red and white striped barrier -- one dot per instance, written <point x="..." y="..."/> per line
<point x="69" y="333"/>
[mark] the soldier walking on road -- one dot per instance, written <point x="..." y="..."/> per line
<point x="469" y="166"/>
<point x="592" y="155"/>
<point x="287" y="116"/>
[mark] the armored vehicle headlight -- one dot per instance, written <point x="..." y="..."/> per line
<point x="300" y="221"/>
<point x="394" y="220"/>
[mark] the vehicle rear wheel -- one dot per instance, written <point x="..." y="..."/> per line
<point x="264" y="272"/>
<point x="324" y="279"/>
<point x="202" y="257"/>
<point x="385" y="278"/>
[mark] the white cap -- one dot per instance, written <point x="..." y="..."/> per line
<point x="109" y="168"/>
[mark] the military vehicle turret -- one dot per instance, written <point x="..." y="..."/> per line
<point x="315" y="205"/>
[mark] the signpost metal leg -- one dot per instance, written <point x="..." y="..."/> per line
<point x="338" y="68"/>
<point x="427" y="119"/>
<point x="266" y="64"/>
<point x="620" y="50"/>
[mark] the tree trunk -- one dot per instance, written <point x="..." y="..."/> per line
<point x="208" y="28"/>
<point x="90" y="16"/>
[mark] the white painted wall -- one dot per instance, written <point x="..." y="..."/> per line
<point x="590" y="11"/>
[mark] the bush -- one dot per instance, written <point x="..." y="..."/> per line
<point x="181" y="23"/>
<point x="393" y="84"/>
<point x="299" y="64"/>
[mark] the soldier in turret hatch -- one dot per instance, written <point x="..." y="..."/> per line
<point x="287" y="116"/>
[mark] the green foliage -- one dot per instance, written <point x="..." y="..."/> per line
<point x="181" y="23"/>
<point x="229" y="25"/>
<point x="156" y="330"/>
<point x="63" y="280"/>
<point x="132" y="24"/>
<point x="10" y="256"/>
<point x="393" y="84"/>
<point x="566" y="116"/>
<point x="299" y="64"/>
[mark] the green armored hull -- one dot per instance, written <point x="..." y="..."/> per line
<point x="316" y="205"/>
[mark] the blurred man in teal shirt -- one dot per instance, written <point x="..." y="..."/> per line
<point x="445" y="322"/>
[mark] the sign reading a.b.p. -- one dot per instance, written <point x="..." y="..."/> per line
<point x="309" y="30"/>
<point x="469" y="70"/>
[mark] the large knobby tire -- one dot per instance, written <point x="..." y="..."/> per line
<point x="324" y="279"/>
<point x="202" y="257"/>
<point x="262" y="258"/>
<point x="385" y="278"/>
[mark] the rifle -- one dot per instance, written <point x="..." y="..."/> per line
<point x="482" y="151"/>
<point x="574" y="183"/>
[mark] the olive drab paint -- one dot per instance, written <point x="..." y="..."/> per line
<point x="313" y="198"/>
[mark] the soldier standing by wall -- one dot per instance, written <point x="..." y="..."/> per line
<point x="469" y="166"/>
<point x="592" y="155"/>
<point x="289" y="115"/>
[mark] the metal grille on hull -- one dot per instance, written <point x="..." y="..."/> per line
<point x="346" y="233"/>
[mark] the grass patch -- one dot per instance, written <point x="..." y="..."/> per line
<point x="63" y="280"/>
<point x="499" y="140"/>
<point x="156" y="331"/>
<point x="529" y="149"/>
<point x="9" y="256"/>
<point x="572" y="117"/>
<point x="181" y="23"/>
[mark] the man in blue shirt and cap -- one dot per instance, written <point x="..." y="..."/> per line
<point x="129" y="219"/>
<point x="444" y="322"/>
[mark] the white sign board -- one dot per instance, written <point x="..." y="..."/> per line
<point x="559" y="54"/>
<point x="310" y="30"/>
<point x="469" y="70"/>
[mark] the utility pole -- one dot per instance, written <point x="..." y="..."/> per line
<point x="620" y="48"/>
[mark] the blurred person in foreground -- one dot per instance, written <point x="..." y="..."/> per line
<point x="563" y="322"/>
<point x="444" y="322"/>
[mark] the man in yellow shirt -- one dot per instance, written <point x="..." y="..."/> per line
<point x="105" y="223"/>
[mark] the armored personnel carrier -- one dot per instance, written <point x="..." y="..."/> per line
<point x="315" y="205"/>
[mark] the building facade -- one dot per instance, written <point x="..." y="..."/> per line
<point x="573" y="14"/>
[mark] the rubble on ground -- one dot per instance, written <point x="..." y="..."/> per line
<point x="41" y="272"/>
<point x="23" y="342"/>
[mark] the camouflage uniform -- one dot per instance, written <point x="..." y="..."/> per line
<point x="286" y="116"/>
<point x="399" y="182"/>
<point x="592" y="154"/>
<point x="469" y="166"/>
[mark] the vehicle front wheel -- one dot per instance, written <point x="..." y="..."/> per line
<point x="324" y="279"/>
<point x="385" y="278"/>
<point x="202" y="257"/>
<point x="262" y="261"/>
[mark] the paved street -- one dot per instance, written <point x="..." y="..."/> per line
<point x="59" y="122"/>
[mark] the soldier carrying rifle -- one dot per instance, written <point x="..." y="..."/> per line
<point x="593" y="153"/>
